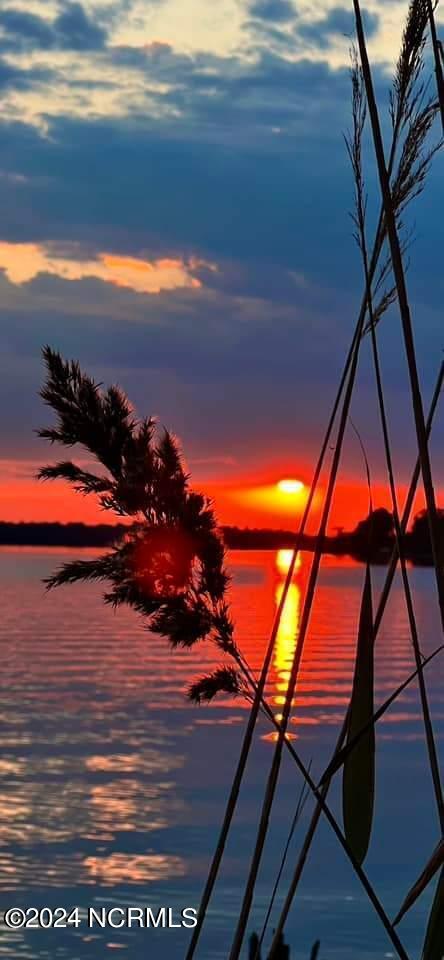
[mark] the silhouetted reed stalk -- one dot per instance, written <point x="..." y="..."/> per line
<point x="299" y="808"/>
<point x="357" y="867"/>
<point x="261" y="683"/>
<point x="305" y="617"/>
<point x="438" y="58"/>
<point x="404" y="308"/>
<point x="320" y="794"/>
<point x="275" y="767"/>
<point x="408" y="506"/>
<point x="336" y="761"/>
<point x="403" y="103"/>
<point x="354" y="145"/>
<point x="408" y="70"/>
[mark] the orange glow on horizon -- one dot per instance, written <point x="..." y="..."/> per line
<point x="237" y="501"/>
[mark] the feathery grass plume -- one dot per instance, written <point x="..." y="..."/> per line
<point x="353" y="143"/>
<point x="412" y="112"/>
<point x="169" y="565"/>
<point x="406" y="91"/>
<point x="222" y="680"/>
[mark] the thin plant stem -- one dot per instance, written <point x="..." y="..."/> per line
<point x="360" y="872"/>
<point x="263" y="826"/>
<point x="234" y="792"/>
<point x="339" y="757"/>
<point x="299" y="808"/>
<point x="336" y="763"/>
<point x="308" y="602"/>
<point x="428" y="726"/>
<point x="407" y="506"/>
<point x="260" y="687"/>
<point x="325" y="783"/>
<point x="320" y="794"/>
<point x="404" y="308"/>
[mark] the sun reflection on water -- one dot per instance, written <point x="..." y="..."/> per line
<point x="288" y="628"/>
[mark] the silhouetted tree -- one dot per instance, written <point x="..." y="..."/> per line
<point x="420" y="533"/>
<point x="376" y="532"/>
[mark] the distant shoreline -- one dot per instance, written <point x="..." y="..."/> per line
<point x="78" y="535"/>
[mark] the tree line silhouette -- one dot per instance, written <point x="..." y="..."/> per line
<point x="372" y="538"/>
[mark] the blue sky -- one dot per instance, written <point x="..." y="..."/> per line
<point x="175" y="199"/>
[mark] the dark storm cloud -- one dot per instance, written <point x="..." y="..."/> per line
<point x="72" y="29"/>
<point x="338" y="21"/>
<point x="275" y="11"/>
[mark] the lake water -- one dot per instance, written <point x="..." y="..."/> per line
<point x="112" y="787"/>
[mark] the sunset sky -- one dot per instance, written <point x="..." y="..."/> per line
<point x="175" y="198"/>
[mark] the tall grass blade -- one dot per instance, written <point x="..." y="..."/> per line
<point x="358" y="784"/>
<point x="256" y="706"/>
<point x="382" y="604"/>
<point x="341" y="754"/>
<point x="434" y="939"/>
<point x="432" y="866"/>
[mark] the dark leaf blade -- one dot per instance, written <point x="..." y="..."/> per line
<point x="434" y="938"/>
<point x="436" y="861"/>
<point x="358" y="784"/>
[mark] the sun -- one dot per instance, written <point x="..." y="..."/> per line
<point x="290" y="486"/>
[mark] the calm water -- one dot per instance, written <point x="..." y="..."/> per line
<point x="112" y="786"/>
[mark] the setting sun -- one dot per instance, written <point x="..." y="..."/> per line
<point x="290" y="486"/>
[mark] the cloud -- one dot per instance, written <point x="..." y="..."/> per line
<point x="23" y="262"/>
<point x="276" y="11"/>
<point x="23" y="28"/>
<point x="339" y="21"/>
<point x="71" y="29"/>
<point x="159" y="160"/>
<point x="22" y="79"/>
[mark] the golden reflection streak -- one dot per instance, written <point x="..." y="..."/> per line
<point x="288" y="628"/>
